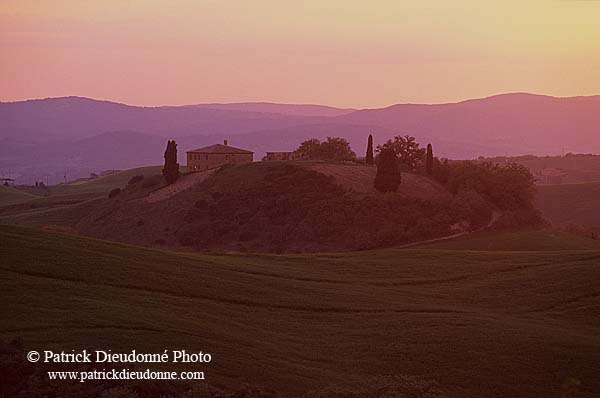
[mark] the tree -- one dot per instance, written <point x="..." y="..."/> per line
<point x="429" y="160"/>
<point x="388" y="175"/>
<point x="369" y="158"/>
<point x="171" y="169"/>
<point x="332" y="149"/>
<point x="336" y="149"/>
<point x="309" y="149"/>
<point x="407" y="150"/>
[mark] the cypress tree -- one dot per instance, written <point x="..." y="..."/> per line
<point x="388" y="175"/>
<point x="369" y="158"/>
<point x="171" y="169"/>
<point x="429" y="160"/>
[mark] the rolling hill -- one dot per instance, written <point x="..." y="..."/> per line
<point x="274" y="207"/>
<point x="11" y="196"/>
<point x="64" y="204"/>
<point x="494" y="324"/>
<point x="282" y="207"/>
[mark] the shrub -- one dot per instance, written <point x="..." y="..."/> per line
<point x="152" y="181"/>
<point x="114" y="193"/>
<point x="470" y="205"/>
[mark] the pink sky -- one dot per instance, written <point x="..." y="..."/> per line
<point x="341" y="53"/>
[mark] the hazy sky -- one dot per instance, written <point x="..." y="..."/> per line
<point x="342" y="53"/>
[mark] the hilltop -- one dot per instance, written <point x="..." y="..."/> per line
<point x="283" y="207"/>
<point x="494" y="324"/>
<point x="277" y="207"/>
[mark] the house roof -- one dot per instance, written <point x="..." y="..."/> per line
<point x="219" y="148"/>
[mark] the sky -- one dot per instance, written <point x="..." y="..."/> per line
<point x="340" y="53"/>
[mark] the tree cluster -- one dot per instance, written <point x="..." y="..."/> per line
<point x="410" y="156"/>
<point x="293" y="209"/>
<point x="508" y="186"/>
<point x="333" y="148"/>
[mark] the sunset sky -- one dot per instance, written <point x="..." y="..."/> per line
<point x="341" y="53"/>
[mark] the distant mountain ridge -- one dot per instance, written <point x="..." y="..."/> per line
<point x="286" y="109"/>
<point x="83" y="134"/>
<point x="79" y="117"/>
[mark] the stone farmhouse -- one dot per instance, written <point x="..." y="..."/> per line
<point x="217" y="155"/>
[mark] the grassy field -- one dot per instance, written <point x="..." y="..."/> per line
<point x="521" y="240"/>
<point x="62" y="204"/>
<point x="103" y="185"/>
<point x="570" y="203"/>
<point x="494" y="324"/>
<point x="11" y="196"/>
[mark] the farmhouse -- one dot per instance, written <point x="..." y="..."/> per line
<point x="216" y="155"/>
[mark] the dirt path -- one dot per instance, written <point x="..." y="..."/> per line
<point x="183" y="183"/>
<point x="423" y="242"/>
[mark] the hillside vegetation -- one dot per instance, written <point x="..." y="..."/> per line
<point x="493" y="324"/>
<point x="284" y="207"/>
